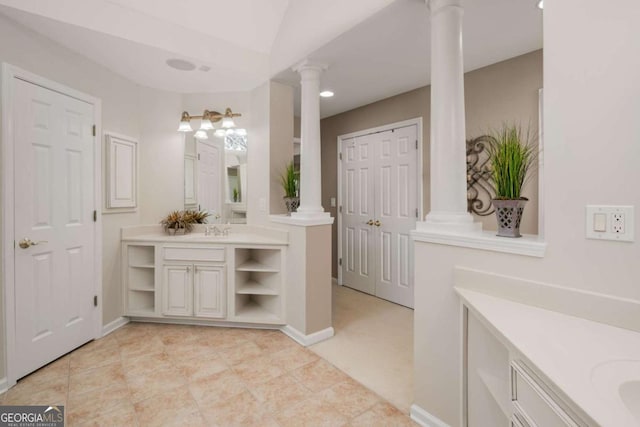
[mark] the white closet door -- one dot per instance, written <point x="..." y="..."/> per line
<point x="396" y="157"/>
<point x="357" y="211"/>
<point x="54" y="194"/>
<point x="379" y="209"/>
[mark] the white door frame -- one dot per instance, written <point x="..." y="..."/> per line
<point x="8" y="74"/>
<point x="419" y="172"/>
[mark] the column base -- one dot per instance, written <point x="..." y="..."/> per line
<point x="449" y="222"/>
<point x="310" y="213"/>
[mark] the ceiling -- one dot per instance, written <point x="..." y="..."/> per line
<point x="389" y="53"/>
<point x="374" y="48"/>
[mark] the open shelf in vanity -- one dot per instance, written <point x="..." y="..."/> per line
<point x="140" y="295"/>
<point x="258" y="284"/>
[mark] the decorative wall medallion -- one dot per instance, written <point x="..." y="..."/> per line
<point x="479" y="189"/>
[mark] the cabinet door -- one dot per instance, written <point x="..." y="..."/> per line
<point x="178" y="290"/>
<point x="210" y="291"/>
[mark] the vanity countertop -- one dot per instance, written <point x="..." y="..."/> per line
<point x="237" y="235"/>
<point x="238" y="239"/>
<point x="585" y="360"/>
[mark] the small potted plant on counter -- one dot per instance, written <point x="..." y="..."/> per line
<point x="512" y="157"/>
<point x="181" y="222"/>
<point x="290" y="181"/>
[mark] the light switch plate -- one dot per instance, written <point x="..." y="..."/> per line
<point x="610" y="223"/>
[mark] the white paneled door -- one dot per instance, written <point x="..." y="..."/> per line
<point x="54" y="225"/>
<point x="379" y="209"/>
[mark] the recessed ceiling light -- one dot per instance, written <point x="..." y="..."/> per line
<point x="326" y="94"/>
<point x="540" y="5"/>
<point x="181" y="64"/>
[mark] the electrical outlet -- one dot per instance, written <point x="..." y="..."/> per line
<point x="610" y="223"/>
<point x="617" y="222"/>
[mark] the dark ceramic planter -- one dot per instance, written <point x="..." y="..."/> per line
<point x="292" y="204"/>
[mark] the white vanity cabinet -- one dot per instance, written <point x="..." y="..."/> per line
<point x="502" y="390"/>
<point x="194" y="281"/>
<point x="194" y="290"/>
<point x="175" y="280"/>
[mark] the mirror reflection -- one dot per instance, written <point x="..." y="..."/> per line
<point x="215" y="177"/>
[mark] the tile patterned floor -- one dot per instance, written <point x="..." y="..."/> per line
<point x="172" y="375"/>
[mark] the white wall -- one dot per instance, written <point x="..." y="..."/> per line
<point x="32" y="52"/>
<point x="161" y="155"/>
<point x="591" y="110"/>
<point x="258" y="157"/>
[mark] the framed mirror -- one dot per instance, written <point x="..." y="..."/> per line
<point x="215" y="177"/>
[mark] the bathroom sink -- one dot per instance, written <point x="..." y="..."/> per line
<point x="618" y="383"/>
<point x="630" y="394"/>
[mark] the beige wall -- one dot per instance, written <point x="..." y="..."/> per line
<point x="507" y="91"/>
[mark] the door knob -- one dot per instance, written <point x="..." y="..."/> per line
<point x="377" y="223"/>
<point x="370" y="222"/>
<point x="27" y="243"/>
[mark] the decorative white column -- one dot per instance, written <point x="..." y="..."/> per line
<point x="310" y="161"/>
<point x="448" y="147"/>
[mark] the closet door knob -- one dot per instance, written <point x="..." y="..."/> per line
<point x="370" y="222"/>
<point x="377" y="223"/>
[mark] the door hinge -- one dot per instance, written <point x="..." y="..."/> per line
<point x="340" y="208"/>
<point x="94" y="130"/>
<point x="340" y="156"/>
<point x="416" y="144"/>
<point x="95" y="300"/>
<point x="416" y="212"/>
<point x="95" y="216"/>
<point x="340" y="262"/>
<point x="198" y="156"/>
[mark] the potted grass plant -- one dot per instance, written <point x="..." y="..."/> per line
<point x="290" y="181"/>
<point x="512" y="157"/>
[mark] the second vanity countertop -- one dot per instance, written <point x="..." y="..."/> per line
<point x="238" y="234"/>
<point x="586" y="360"/>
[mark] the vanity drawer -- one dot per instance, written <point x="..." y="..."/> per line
<point x="538" y="408"/>
<point x="194" y="254"/>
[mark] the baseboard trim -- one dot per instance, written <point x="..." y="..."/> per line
<point x="116" y="324"/>
<point x="425" y="419"/>
<point x="4" y="384"/>
<point x="307" y="340"/>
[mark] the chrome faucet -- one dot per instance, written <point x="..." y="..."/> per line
<point x="208" y="229"/>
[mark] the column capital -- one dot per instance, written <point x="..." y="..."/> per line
<point x="307" y="64"/>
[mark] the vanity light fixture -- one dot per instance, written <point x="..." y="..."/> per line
<point x="208" y="118"/>
<point x="185" y="126"/>
<point x="540" y="4"/>
<point x="326" y="94"/>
